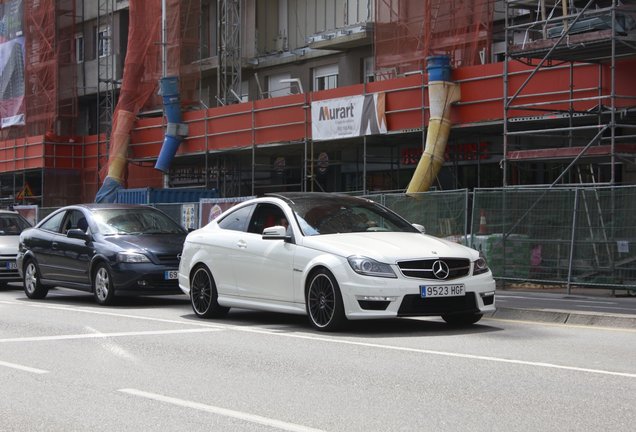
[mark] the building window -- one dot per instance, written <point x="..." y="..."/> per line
<point x="326" y="77"/>
<point x="368" y="68"/>
<point x="103" y="42"/>
<point x="277" y="88"/>
<point x="79" y="48"/>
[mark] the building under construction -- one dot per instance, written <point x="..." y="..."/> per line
<point x="545" y="95"/>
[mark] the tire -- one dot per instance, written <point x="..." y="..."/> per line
<point x="461" y="320"/>
<point x="33" y="288"/>
<point x="204" y="296"/>
<point x="103" y="289"/>
<point x="324" y="302"/>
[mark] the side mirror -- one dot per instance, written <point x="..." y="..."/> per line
<point x="420" y="228"/>
<point x="77" y="234"/>
<point x="276" y="232"/>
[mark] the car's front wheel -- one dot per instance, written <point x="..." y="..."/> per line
<point x="462" y="319"/>
<point x="324" y="302"/>
<point x="33" y="288"/>
<point x="103" y="285"/>
<point x="204" y="296"/>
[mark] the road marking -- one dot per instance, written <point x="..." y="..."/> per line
<point x="105" y="335"/>
<point x="258" y="330"/>
<point x="23" y="368"/>
<point x="552" y="300"/>
<point x="252" y="418"/>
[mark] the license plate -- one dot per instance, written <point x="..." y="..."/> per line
<point x="11" y="265"/>
<point x="442" y="290"/>
<point x="170" y="274"/>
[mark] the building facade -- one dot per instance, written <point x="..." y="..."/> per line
<point x="546" y="94"/>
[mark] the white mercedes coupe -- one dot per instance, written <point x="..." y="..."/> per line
<point x="334" y="258"/>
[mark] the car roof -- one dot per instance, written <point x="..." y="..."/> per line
<point x="293" y="196"/>
<point x="98" y="206"/>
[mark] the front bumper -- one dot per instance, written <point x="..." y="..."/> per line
<point x="9" y="269"/>
<point x="144" y="279"/>
<point x="367" y="297"/>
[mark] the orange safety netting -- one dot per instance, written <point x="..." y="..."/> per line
<point x="408" y="31"/>
<point x="143" y="68"/>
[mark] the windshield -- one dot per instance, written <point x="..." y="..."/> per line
<point x="12" y="224"/>
<point x="340" y="214"/>
<point x="143" y="220"/>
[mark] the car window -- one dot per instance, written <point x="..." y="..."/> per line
<point x="12" y="224"/>
<point x="74" y="220"/>
<point x="236" y="220"/>
<point x="135" y="221"/>
<point x="346" y="215"/>
<point x="265" y="216"/>
<point x="53" y="223"/>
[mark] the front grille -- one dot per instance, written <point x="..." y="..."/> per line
<point x="168" y="259"/>
<point x="414" y="304"/>
<point x="5" y="272"/>
<point x="423" y="269"/>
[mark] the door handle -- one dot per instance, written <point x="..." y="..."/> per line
<point x="54" y="245"/>
<point x="242" y="244"/>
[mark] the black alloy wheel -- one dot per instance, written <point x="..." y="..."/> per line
<point x="204" y="296"/>
<point x="324" y="302"/>
<point x="33" y="288"/>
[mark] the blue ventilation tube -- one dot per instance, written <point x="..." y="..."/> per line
<point x="175" y="130"/>
<point x="438" y="68"/>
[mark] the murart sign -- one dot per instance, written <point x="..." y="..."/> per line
<point x="348" y="117"/>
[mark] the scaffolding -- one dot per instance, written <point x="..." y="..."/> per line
<point x="408" y="31"/>
<point x="583" y="127"/>
<point x="229" y="74"/>
<point x="584" y="120"/>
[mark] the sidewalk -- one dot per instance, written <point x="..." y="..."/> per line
<point x="582" y="306"/>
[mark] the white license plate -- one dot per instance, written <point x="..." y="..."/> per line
<point x="11" y="265"/>
<point x="442" y="290"/>
<point x="170" y="274"/>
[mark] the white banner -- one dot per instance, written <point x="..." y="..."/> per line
<point x="348" y="117"/>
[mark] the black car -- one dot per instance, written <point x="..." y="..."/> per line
<point x="106" y="249"/>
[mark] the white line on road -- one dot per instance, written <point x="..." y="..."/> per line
<point x="23" y="368"/>
<point x="551" y="300"/>
<point x="252" y="418"/>
<point x="106" y="335"/>
<point x="258" y="330"/>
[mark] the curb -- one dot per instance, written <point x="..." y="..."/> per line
<point x="556" y="316"/>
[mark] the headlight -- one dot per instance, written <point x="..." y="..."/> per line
<point x="480" y="266"/>
<point x="132" y="257"/>
<point x="370" y="267"/>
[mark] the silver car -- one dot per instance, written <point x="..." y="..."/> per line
<point x="11" y="225"/>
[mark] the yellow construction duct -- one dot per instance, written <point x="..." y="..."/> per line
<point x="119" y="141"/>
<point x="441" y="95"/>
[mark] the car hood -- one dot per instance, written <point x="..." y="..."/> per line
<point x="9" y="244"/>
<point x="389" y="247"/>
<point x="155" y="243"/>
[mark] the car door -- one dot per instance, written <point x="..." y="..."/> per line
<point x="74" y="255"/>
<point x="40" y="242"/>
<point x="225" y="249"/>
<point x="264" y="268"/>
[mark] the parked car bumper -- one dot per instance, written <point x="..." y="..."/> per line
<point x="365" y="297"/>
<point x="145" y="279"/>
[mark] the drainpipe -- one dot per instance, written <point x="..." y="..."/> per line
<point x="441" y="93"/>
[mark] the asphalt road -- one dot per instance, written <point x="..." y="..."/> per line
<point x="149" y="364"/>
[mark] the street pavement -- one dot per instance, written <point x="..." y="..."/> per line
<point x="549" y="304"/>
<point x="580" y="306"/>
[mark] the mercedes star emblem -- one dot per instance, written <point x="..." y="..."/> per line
<point x="440" y="269"/>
